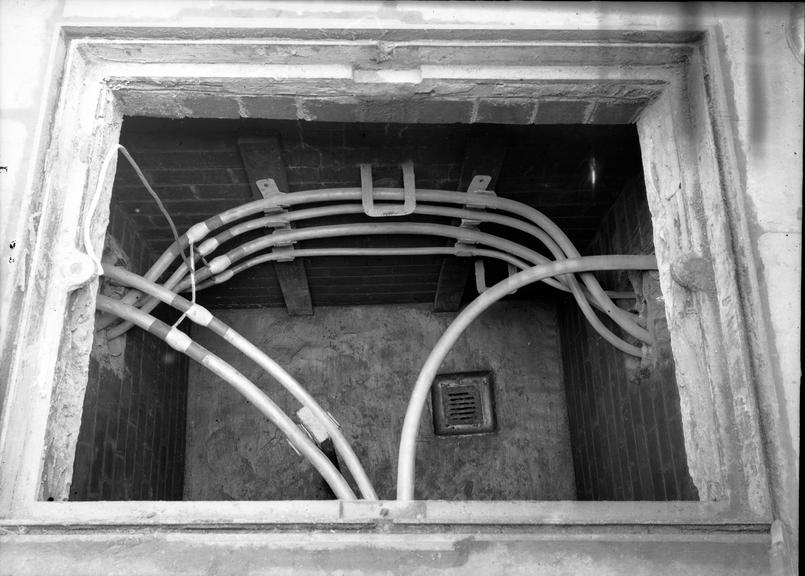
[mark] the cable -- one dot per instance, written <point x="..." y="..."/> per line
<point x="561" y="248"/>
<point x="407" y="455"/>
<point x="93" y="205"/>
<point x="192" y="286"/>
<point x="180" y="342"/>
<point x="154" y="195"/>
<point x="201" y="316"/>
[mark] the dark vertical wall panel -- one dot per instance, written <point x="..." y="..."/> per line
<point x="131" y="440"/>
<point x="625" y="422"/>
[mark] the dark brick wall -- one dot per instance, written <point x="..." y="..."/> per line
<point x="624" y="414"/>
<point x="196" y="167"/>
<point x="131" y="443"/>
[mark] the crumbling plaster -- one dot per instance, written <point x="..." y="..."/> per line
<point x="769" y="162"/>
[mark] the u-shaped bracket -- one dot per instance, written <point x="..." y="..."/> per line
<point x="383" y="210"/>
<point x="480" y="275"/>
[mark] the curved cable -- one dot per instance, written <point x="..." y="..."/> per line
<point x="182" y="343"/>
<point x="200" y="230"/>
<point x="407" y="455"/>
<point x="203" y="317"/>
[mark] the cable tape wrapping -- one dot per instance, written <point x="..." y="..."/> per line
<point x="223" y="276"/>
<point x="219" y="264"/>
<point x="313" y="424"/>
<point x="207" y="246"/>
<point x="199" y="314"/>
<point x="196" y="232"/>
<point x="178" y="340"/>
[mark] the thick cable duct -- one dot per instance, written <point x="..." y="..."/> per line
<point x="407" y="455"/>
<point x="428" y="210"/>
<point x="201" y="316"/>
<point x="342" y="209"/>
<point x="221" y="263"/>
<point x="182" y="343"/>
<point x="202" y="229"/>
<point x="229" y="273"/>
<point x="314" y="252"/>
<point x="322" y="211"/>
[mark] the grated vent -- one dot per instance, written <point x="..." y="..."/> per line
<point x="463" y="403"/>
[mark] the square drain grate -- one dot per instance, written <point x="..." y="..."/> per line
<point x="463" y="403"/>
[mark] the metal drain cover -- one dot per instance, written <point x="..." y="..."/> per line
<point x="463" y="403"/>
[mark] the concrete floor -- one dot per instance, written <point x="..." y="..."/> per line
<point x="361" y="363"/>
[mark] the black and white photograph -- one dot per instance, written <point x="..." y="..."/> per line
<point x="400" y="288"/>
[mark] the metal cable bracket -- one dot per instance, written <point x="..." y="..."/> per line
<point x="477" y="186"/>
<point x="480" y="275"/>
<point x="383" y="210"/>
<point x="268" y="188"/>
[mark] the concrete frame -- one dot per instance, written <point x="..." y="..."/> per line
<point x="690" y="179"/>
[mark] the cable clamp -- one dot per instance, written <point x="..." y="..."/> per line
<point x="283" y="248"/>
<point x="477" y="188"/>
<point x="278" y="217"/>
<point x="464" y="249"/>
<point x="268" y="189"/>
<point x="383" y="210"/>
<point x="312" y="425"/>
<point x="278" y="221"/>
<point x="295" y="449"/>
<point x="478" y="184"/>
<point x="285" y="253"/>
<point x="77" y="268"/>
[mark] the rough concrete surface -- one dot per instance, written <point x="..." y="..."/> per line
<point x="462" y="554"/>
<point x="361" y="363"/>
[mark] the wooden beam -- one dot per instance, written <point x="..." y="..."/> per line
<point x="484" y="155"/>
<point x="262" y="158"/>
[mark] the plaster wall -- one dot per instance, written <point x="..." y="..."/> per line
<point x="361" y="362"/>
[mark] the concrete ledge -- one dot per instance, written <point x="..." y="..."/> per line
<point x="301" y="553"/>
<point x="333" y="513"/>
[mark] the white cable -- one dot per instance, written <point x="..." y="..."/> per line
<point x="93" y="205"/>
<point x="192" y="286"/>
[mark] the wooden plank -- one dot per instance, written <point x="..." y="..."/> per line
<point x="262" y="158"/>
<point x="484" y="155"/>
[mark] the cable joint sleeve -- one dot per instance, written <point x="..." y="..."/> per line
<point x="199" y="314"/>
<point x="219" y="264"/>
<point x="207" y="246"/>
<point x="197" y="232"/>
<point x="178" y="340"/>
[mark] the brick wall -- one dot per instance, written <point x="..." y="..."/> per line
<point x="195" y="166"/>
<point x="132" y="435"/>
<point x="624" y="414"/>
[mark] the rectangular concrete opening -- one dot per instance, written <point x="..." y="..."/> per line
<point x="577" y="419"/>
